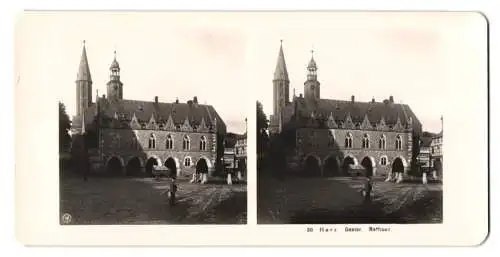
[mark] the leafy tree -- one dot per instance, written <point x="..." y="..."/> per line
<point x="64" y="127"/>
<point x="262" y="135"/>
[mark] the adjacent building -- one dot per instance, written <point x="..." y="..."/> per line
<point x="334" y="137"/>
<point x="437" y="153"/>
<point x="130" y="137"/>
<point x="241" y="153"/>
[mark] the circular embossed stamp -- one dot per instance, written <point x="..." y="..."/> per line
<point x="66" y="218"/>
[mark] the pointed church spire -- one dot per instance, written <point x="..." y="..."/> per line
<point x="83" y="69"/>
<point x="281" y="73"/>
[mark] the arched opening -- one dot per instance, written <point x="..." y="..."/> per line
<point x="171" y="166"/>
<point x="114" y="166"/>
<point x="202" y="166"/>
<point x="347" y="164"/>
<point x="438" y="166"/>
<point x="149" y="166"/>
<point x="331" y="168"/>
<point x="312" y="167"/>
<point x="397" y="166"/>
<point x="134" y="167"/>
<point x="367" y="164"/>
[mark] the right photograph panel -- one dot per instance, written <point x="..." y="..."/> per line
<point x="349" y="123"/>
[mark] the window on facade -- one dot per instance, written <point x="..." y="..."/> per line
<point x="381" y="142"/>
<point x="399" y="143"/>
<point x="383" y="160"/>
<point x="203" y="143"/>
<point x="348" y="141"/>
<point x="187" y="161"/>
<point x="186" y="143"/>
<point x="366" y="141"/>
<point x="152" y="141"/>
<point x="170" y="142"/>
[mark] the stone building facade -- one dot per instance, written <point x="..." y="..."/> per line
<point x="130" y="137"/>
<point x="241" y="152"/>
<point x="437" y="153"/>
<point x="332" y="137"/>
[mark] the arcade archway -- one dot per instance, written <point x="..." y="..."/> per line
<point x="312" y="167"/>
<point x="331" y="167"/>
<point x="149" y="166"/>
<point x="134" y="167"/>
<point x="348" y="164"/>
<point x="171" y="166"/>
<point x="368" y="166"/>
<point x="114" y="166"/>
<point x="398" y="166"/>
<point x="202" y="166"/>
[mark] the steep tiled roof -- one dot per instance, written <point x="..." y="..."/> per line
<point x="375" y="111"/>
<point x="426" y="141"/>
<point x="143" y="110"/>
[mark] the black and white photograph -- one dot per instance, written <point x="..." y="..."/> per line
<point x="350" y="127"/>
<point x="147" y="132"/>
<point x="251" y="128"/>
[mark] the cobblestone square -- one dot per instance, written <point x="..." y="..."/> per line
<point x="339" y="201"/>
<point x="107" y="201"/>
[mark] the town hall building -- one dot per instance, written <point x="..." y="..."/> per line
<point x="333" y="137"/>
<point x="130" y="137"/>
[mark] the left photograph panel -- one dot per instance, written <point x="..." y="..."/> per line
<point x="147" y="133"/>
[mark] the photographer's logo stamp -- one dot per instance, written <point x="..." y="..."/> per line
<point x="66" y="218"/>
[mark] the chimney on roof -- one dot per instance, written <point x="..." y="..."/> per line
<point x="176" y="100"/>
<point x="301" y="95"/>
<point x="391" y="99"/>
<point x="103" y="96"/>
<point x="195" y="100"/>
<point x="352" y="98"/>
<point x="190" y="102"/>
<point x="156" y="99"/>
<point x="373" y="100"/>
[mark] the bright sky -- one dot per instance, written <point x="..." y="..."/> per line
<point x="158" y="56"/>
<point x="228" y="59"/>
<point x="367" y="55"/>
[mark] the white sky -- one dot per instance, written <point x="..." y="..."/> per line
<point x="228" y="59"/>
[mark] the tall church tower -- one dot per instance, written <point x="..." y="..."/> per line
<point x="281" y="84"/>
<point x="311" y="86"/>
<point x="83" y="85"/>
<point x="115" y="86"/>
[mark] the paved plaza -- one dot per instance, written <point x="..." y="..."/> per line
<point x="106" y="201"/>
<point x="339" y="200"/>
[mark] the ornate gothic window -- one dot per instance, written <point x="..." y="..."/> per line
<point x="152" y="141"/>
<point x="203" y="143"/>
<point x="170" y="142"/>
<point x="186" y="143"/>
<point x="382" y="142"/>
<point x="399" y="143"/>
<point x="348" y="141"/>
<point x="383" y="160"/>
<point x="187" y="161"/>
<point x="366" y="141"/>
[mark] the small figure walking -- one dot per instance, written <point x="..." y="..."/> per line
<point x="171" y="192"/>
<point x="367" y="190"/>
